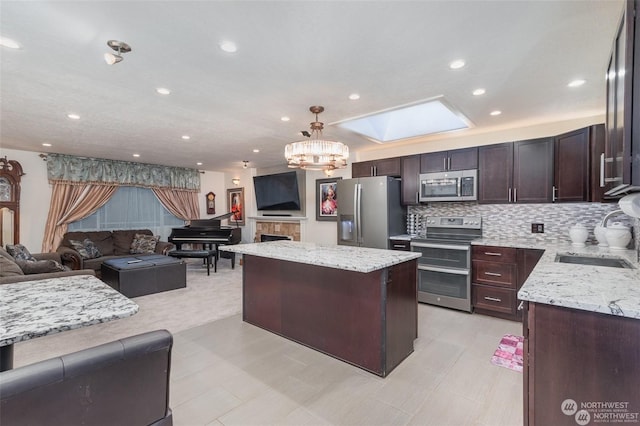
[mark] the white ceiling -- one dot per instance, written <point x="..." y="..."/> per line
<point x="291" y="55"/>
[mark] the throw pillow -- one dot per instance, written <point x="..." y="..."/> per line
<point x="144" y="244"/>
<point x="9" y="268"/>
<point x="87" y="249"/>
<point x="39" y="266"/>
<point x="19" y="252"/>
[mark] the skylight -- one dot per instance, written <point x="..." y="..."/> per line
<point x="418" y="119"/>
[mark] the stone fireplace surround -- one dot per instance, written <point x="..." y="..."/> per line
<point x="287" y="228"/>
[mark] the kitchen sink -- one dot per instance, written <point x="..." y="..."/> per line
<point x="612" y="262"/>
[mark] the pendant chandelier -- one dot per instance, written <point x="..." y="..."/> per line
<point x="317" y="153"/>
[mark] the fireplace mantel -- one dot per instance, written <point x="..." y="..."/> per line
<point x="278" y="218"/>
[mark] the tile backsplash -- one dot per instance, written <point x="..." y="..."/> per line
<point x="514" y="221"/>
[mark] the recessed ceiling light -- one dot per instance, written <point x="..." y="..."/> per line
<point x="285" y="118"/>
<point x="7" y="42"/>
<point x="354" y="96"/>
<point x="198" y="163"/>
<point x="496" y="112"/>
<point x="256" y="150"/>
<point x="478" y="92"/>
<point x="46" y="144"/>
<point x="163" y="90"/>
<point x="186" y="137"/>
<point x="459" y="63"/>
<point x="73" y="116"/>
<point x="228" y="46"/>
<point x="576" y="83"/>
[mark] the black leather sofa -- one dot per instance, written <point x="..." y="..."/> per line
<point x="125" y="382"/>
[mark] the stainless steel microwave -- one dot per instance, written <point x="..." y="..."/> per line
<point x="459" y="185"/>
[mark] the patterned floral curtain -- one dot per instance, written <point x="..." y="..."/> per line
<point x="98" y="171"/>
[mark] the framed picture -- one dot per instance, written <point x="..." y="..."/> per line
<point x="211" y="203"/>
<point x="235" y="205"/>
<point x="327" y="199"/>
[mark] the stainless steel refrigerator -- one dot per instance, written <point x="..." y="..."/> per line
<point x="369" y="211"/>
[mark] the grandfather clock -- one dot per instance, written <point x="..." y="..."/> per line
<point x="10" y="173"/>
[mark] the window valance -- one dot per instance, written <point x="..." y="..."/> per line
<point x="70" y="169"/>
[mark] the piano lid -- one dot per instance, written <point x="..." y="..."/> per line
<point x="214" y="222"/>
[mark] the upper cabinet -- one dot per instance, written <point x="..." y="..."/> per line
<point x="622" y="137"/>
<point x="410" y="172"/>
<point x="518" y="172"/>
<point x="579" y="165"/>
<point x="442" y="161"/>
<point x="382" y="167"/>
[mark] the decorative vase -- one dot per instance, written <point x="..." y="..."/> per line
<point x="578" y="234"/>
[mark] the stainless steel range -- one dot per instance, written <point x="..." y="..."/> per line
<point x="444" y="269"/>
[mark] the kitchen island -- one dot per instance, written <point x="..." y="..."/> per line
<point x="356" y="304"/>
<point x="581" y="328"/>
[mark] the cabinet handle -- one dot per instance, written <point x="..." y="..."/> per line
<point x="491" y="253"/>
<point x="602" y="170"/>
<point x="444" y="163"/>
<point x="449" y="163"/>
<point x="515" y="195"/>
<point x="493" y="274"/>
<point x="417" y="197"/>
<point x="521" y="305"/>
<point x="399" y="246"/>
<point x="509" y="194"/>
<point x="554" y="190"/>
<point x="492" y="299"/>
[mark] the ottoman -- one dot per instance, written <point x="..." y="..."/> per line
<point x="141" y="275"/>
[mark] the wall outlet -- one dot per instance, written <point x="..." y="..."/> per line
<point x="537" y="228"/>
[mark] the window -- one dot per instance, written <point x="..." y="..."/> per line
<point x="131" y="207"/>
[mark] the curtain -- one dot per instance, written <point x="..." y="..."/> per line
<point x="70" y="203"/>
<point x="182" y="204"/>
<point x="99" y="171"/>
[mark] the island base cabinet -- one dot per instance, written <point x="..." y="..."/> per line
<point x="366" y="319"/>
<point x="580" y="367"/>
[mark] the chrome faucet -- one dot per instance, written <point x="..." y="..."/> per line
<point x="608" y="216"/>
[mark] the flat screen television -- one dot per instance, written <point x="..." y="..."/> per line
<point x="277" y="191"/>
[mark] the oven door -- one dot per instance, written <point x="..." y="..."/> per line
<point x="450" y="288"/>
<point x="443" y="255"/>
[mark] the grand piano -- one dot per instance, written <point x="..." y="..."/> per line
<point x="207" y="232"/>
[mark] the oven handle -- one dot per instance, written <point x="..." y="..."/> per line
<point x="441" y="246"/>
<point x="444" y="270"/>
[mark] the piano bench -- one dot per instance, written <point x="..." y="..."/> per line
<point x="211" y="256"/>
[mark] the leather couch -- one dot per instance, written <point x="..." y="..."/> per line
<point x="10" y="271"/>
<point x="112" y="244"/>
<point x="125" y="382"/>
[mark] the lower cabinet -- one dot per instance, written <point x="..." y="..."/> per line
<point x="580" y="367"/>
<point x="497" y="275"/>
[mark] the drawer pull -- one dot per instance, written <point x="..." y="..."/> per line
<point x="399" y="246"/>
<point x="521" y="305"/>
<point x="492" y="299"/>
<point x="490" y="253"/>
<point x="493" y="274"/>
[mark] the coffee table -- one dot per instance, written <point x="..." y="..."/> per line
<point x="141" y="275"/>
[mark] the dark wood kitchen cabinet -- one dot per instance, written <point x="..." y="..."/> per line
<point x="442" y="161"/>
<point x="382" y="167"/>
<point x="496" y="276"/>
<point x="516" y="172"/>
<point x="410" y="173"/>
<point x="583" y="356"/>
<point x="577" y="169"/>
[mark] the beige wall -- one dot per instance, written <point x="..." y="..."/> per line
<point x="36" y="191"/>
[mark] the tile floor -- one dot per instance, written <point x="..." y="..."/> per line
<point x="231" y="373"/>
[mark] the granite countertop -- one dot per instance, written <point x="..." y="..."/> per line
<point x="607" y="290"/>
<point x="349" y="258"/>
<point x="38" y="308"/>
